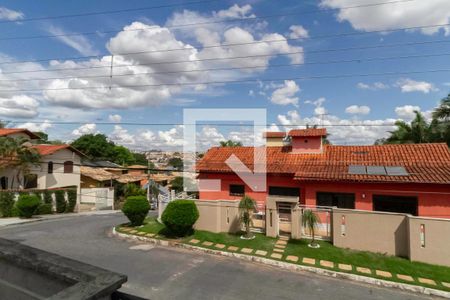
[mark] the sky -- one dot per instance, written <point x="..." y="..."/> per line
<point x="354" y="66"/>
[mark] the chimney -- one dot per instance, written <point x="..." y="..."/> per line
<point x="274" y="139"/>
<point x="307" y="140"/>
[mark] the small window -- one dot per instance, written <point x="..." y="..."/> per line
<point x="68" y="167"/>
<point x="50" y="167"/>
<point x="4" y="182"/>
<point x="237" y="190"/>
<point x="30" y="181"/>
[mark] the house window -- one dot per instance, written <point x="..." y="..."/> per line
<point x="50" y="167"/>
<point x="68" y="167"/>
<point x="284" y="191"/>
<point x="4" y="182"/>
<point x="339" y="200"/>
<point x="30" y="181"/>
<point x="237" y="190"/>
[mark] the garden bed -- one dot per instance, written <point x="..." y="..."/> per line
<point x="327" y="256"/>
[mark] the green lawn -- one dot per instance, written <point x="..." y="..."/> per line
<point x="327" y="251"/>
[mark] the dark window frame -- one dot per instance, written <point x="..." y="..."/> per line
<point x="284" y="191"/>
<point x="68" y="167"/>
<point x="398" y="204"/>
<point x="335" y="201"/>
<point x="30" y="184"/>
<point x="236" y="193"/>
<point x="4" y="182"/>
<point x="50" y="167"/>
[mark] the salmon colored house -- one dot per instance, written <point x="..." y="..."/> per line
<point x="405" y="178"/>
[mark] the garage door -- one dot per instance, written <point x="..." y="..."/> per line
<point x="396" y="204"/>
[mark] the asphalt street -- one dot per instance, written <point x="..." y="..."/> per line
<point x="168" y="273"/>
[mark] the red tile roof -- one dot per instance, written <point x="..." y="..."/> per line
<point x="8" y="131"/>
<point x="50" y="149"/>
<point x="425" y="163"/>
<point x="308" y="132"/>
<point x="274" y="134"/>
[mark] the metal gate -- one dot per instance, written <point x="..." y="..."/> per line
<point x="323" y="228"/>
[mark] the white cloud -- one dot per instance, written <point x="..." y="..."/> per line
<point x="89" y="128"/>
<point x="342" y="131"/>
<point x="10" y="15"/>
<point x="319" y="109"/>
<point x="372" y="86"/>
<point x="358" y="110"/>
<point x="395" y="15"/>
<point x="77" y="42"/>
<point x="298" y="32"/>
<point x="408" y="85"/>
<point x="115" y="118"/>
<point x="121" y="136"/>
<point x="19" y="106"/>
<point x="36" y="127"/>
<point x="406" y="111"/>
<point x="286" y="94"/>
<point x="235" y="12"/>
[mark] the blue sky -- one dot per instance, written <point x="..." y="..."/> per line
<point x="311" y="30"/>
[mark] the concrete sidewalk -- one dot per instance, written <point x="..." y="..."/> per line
<point x="17" y="221"/>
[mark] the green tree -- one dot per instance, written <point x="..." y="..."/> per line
<point x="177" y="184"/>
<point x="442" y="112"/>
<point x="417" y="132"/>
<point x="310" y="220"/>
<point x="230" y="143"/>
<point x="19" y="152"/>
<point x="122" y="156"/>
<point x="246" y="207"/>
<point x="140" y="159"/>
<point x="176" y="162"/>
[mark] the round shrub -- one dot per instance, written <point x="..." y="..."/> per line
<point x="27" y="205"/>
<point x="136" y="209"/>
<point x="180" y="217"/>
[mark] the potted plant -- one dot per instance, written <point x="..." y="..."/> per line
<point x="311" y="220"/>
<point x="246" y="206"/>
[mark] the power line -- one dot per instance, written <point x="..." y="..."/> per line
<point x="232" y="44"/>
<point x="241" y="81"/>
<point x="357" y="60"/>
<point x="250" y="18"/>
<point x="106" y="12"/>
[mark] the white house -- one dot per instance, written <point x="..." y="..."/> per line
<point x="59" y="166"/>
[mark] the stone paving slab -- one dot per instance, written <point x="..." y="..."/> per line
<point x="426" y="281"/>
<point x="446" y="284"/>
<point x="405" y="277"/>
<point x="345" y="267"/>
<point x="207" y="244"/>
<point x="283" y="238"/>
<point x="327" y="264"/>
<point x="309" y="261"/>
<point x="150" y="234"/>
<point x="246" y="250"/>
<point x="278" y="250"/>
<point x="133" y="231"/>
<point x="281" y="242"/>
<point x="261" y="252"/>
<point x="220" y="246"/>
<point x="276" y="255"/>
<point x="280" y="246"/>
<point x="363" y="270"/>
<point x="233" y="248"/>
<point x="194" y="241"/>
<point x="383" y="273"/>
<point x="141" y="233"/>
<point x="292" y="258"/>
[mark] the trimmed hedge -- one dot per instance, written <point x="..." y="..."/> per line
<point x="48" y="199"/>
<point x="72" y="200"/>
<point x="60" y="201"/>
<point x="7" y="202"/>
<point x="44" y="209"/>
<point x="136" y="209"/>
<point x="180" y="217"/>
<point x="27" y="205"/>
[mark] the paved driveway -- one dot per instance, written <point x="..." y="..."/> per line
<point x="167" y="273"/>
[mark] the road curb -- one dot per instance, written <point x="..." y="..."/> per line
<point x="288" y="266"/>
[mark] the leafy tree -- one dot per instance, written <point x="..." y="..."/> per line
<point x="140" y="158"/>
<point x="311" y="220"/>
<point x="246" y="206"/>
<point x="21" y="153"/>
<point x="230" y="143"/>
<point x="176" y="162"/>
<point x="418" y="131"/>
<point x="177" y="184"/>
<point x="122" y="156"/>
<point x="443" y="111"/>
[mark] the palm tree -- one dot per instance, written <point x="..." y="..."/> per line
<point x="417" y="132"/>
<point x="230" y="143"/>
<point x="19" y="152"/>
<point x="443" y="111"/>
<point x="246" y="206"/>
<point x="311" y="220"/>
